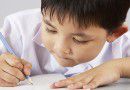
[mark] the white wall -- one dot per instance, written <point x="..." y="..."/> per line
<point x="128" y="19"/>
<point x="11" y="6"/>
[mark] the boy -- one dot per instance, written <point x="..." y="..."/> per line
<point x="82" y="36"/>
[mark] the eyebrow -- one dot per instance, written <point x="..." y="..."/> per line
<point x="48" y="23"/>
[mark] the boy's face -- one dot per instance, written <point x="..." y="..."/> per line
<point x="70" y="44"/>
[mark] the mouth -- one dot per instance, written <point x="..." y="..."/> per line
<point x="65" y="58"/>
<point x="65" y="61"/>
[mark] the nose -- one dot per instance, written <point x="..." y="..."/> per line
<point x="62" y="49"/>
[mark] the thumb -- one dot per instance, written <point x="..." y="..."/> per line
<point x="27" y="67"/>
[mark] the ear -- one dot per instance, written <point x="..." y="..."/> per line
<point x="117" y="33"/>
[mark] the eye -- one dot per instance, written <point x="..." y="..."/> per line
<point x="79" y="41"/>
<point x="51" y="31"/>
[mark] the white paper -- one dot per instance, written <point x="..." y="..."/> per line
<point x="41" y="82"/>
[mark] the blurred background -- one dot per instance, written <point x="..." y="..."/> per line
<point x="11" y="6"/>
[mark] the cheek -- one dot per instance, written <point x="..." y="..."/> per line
<point x="46" y="40"/>
<point x="88" y="52"/>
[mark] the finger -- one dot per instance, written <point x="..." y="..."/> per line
<point x="27" y="70"/>
<point x="81" y="83"/>
<point x="27" y="67"/>
<point x="64" y="83"/>
<point x="12" y="70"/>
<point x="99" y="81"/>
<point x="78" y="85"/>
<point x="69" y="81"/>
<point x="12" y="60"/>
<point x="80" y="89"/>
<point x="52" y="86"/>
<point x="6" y="84"/>
<point x="93" y="84"/>
<point x="8" y="78"/>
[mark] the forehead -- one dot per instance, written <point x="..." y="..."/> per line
<point x="70" y="26"/>
<point x="67" y="23"/>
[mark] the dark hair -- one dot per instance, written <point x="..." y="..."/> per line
<point x="109" y="14"/>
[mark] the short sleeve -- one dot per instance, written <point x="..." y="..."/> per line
<point x="11" y="33"/>
<point x="126" y="45"/>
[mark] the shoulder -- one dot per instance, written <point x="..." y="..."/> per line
<point x="23" y="22"/>
<point x="122" y="42"/>
<point x="126" y="40"/>
<point x="29" y="12"/>
<point x="125" y="43"/>
<point x="25" y="17"/>
<point x="127" y="35"/>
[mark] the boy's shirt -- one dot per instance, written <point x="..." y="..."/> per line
<point x="22" y="30"/>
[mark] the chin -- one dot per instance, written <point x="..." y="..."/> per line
<point x="66" y="65"/>
<point x="66" y="62"/>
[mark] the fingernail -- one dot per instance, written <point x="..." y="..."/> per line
<point x="86" y="87"/>
<point x="57" y="84"/>
<point x="71" y="86"/>
<point x="28" y="65"/>
<point x="27" y="71"/>
<point x="53" y="86"/>
<point x="19" y="65"/>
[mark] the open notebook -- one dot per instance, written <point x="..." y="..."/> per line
<point x="41" y="82"/>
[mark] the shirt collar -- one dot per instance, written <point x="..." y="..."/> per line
<point x="37" y="37"/>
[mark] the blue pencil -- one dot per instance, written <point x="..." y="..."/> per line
<point x="9" y="49"/>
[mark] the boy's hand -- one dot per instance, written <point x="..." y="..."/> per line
<point x="104" y="74"/>
<point x="12" y="70"/>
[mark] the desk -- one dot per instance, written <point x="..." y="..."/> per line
<point x="122" y="84"/>
<point x="43" y="82"/>
<point x="40" y="82"/>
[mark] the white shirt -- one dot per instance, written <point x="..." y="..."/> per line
<point x="22" y="30"/>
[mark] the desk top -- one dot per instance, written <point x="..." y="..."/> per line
<point x="43" y="82"/>
<point x="122" y="84"/>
